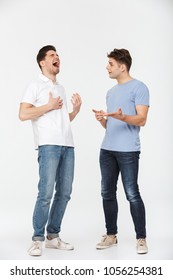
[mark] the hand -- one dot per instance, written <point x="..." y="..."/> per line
<point x="99" y="114"/>
<point x="76" y="102"/>
<point x="117" y="115"/>
<point x="55" y="103"/>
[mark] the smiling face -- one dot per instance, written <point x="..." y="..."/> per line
<point x="51" y="63"/>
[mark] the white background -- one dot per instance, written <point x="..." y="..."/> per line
<point x="83" y="33"/>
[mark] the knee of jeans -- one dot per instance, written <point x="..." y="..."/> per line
<point x="133" y="197"/>
<point x="45" y="197"/>
<point x="45" y="201"/>
<point x="66" y="196"/>
<point x="108" y="196"/>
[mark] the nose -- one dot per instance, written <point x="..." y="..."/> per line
<point x="57" y="56"/>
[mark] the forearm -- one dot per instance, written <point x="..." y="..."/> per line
<point x="33" y="112"/>
<point x="73" y="114"/>
<point x="103" y="122"/>
<point x="136" y="120"/>
<point x="76" y="101"/>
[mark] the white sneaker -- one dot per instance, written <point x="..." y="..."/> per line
<point x="57" y="243"/>
<point x="35" y="249"/>
<point x="141" y="246"/>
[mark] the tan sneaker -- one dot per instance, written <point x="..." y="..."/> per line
<point x="141" y="246"/>
<point x="107" y="242"/>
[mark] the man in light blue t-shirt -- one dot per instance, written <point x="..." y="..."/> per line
<point x="127" y="108"/>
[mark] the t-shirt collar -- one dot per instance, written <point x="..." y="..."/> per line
<point x="45" y="79"/>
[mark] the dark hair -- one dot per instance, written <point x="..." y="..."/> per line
<point x="122" y="56"/>
<point x="42" y="53"/>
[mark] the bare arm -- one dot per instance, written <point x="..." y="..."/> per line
<point x="100" y="117"/>
<point x="139" y="119"/>
<point x="76" y="101"/>
<point x="29" y="112"/>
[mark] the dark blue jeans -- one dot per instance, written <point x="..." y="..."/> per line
<point x="111" y="164"/>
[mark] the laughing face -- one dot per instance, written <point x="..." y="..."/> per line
<point x="51" y="63"/>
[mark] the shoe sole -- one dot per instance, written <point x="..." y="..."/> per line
<point x="53" y="247"/>
<point x="105" y="247"/>
<point x="142" y="252"/>
<point x="35" y="255"/>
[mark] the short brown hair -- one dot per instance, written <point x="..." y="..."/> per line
<point x="43" y="51"/>
<point x="122" y="56"/>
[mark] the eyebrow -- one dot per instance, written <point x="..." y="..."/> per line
<point x="52" y="54"/>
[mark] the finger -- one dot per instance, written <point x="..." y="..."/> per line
<point x="60" y="101"/>
<point x="77" y="95"/>
<point x="95" y="111"/>
<point x="102" y="112"/>
<point x="110" y="114"/>
<point x="73" y="101"/>
<point x="59" y="98"/>
<point x="76" y="98"/>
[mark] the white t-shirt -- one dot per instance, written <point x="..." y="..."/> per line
<point x="52" y="128"/>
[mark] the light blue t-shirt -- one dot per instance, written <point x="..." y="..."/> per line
<point x="119" y="135"/>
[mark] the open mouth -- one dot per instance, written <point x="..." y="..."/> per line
<point x="56" y="64"/>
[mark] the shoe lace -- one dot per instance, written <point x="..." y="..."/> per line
<point x="36" y="245"/>
<point x="104" y="237"/>
<point x="141" y="241"/>
<point x="62" y="242"/>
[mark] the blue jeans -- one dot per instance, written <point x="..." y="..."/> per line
<point x="111" y="164"/>
<point x="56" y="171"/>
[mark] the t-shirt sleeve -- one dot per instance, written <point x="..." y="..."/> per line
<point x="30" y="94"/>
<point x="142" y="95"/>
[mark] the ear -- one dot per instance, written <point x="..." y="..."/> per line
<point x="42" y="63"/>
<point x="123" y="67"/>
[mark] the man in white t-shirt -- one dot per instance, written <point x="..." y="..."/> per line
<point x="44" y="103"/>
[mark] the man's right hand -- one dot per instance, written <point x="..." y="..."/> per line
<point x="99" y="114"/>
<point x="55" y="103"/>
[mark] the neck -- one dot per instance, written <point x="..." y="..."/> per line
<point x="124" y="79"/>
<point x="51" y="77"/>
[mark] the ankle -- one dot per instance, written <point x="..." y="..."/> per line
<point x="113" y="236"/>
<point x="49" y="237"/>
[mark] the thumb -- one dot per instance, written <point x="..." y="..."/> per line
<point x="50" y="94"/>
<point x="94" y="110"/>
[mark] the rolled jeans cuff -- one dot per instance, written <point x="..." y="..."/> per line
<point x="52" y="235"/>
